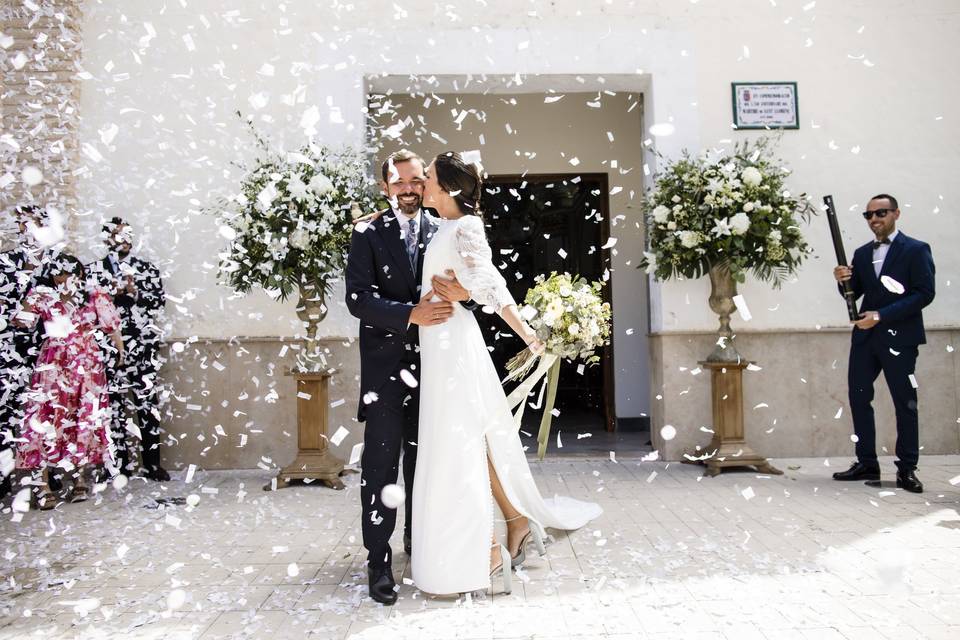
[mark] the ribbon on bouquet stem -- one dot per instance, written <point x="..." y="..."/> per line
<point x="549" y="368"/>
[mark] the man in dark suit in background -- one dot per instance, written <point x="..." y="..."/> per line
<point x="383" y="276"/>
<point x="138" y="294"/>
<point x="895" y="275"/>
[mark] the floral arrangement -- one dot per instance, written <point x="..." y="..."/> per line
<point x="571" y="319"/>
<point x="289" y="225"/>
<point x="714" y="209"/>
<point x="569" y="316"/>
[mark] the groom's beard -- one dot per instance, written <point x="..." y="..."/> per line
<point x="409" y="203"/>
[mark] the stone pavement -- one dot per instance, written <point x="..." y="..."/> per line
<point x="674" y="556"/>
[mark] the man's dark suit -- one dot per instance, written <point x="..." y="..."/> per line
<point x="381" y="290"/>
<point x="141" y="339"/>
<point x="891" y="346"/>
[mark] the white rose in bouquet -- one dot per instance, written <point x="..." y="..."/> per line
<point x="689" y="239"/>
<point x="739" y="224"/>
<point x="320" y="184"/>
<point x="751" y="176"/>
<point x="299" y="239"/>
<point x="660" y="214"/>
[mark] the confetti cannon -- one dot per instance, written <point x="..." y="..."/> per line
<point x="841" y="258"/>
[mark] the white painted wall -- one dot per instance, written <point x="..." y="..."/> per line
<point x="876" y="103"/>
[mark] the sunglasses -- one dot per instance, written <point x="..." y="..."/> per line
<point x="880" y="213"/>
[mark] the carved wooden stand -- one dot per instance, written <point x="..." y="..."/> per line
<point x="729" y="447"/>
<point x="314" y="460"/>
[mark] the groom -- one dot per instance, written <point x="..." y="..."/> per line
<point x="384" y="269"/>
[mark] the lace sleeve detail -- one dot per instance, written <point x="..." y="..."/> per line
<point x="479" y="276"/>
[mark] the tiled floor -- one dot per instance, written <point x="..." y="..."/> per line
<point x="674" y="556"/>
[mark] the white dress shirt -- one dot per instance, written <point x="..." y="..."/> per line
<point x="880" y="253"/>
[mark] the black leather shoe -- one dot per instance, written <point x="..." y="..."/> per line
<point x="157" y="473"/>
<point x="382" y="585"/>
<point x="908" y="480"/>
<point x="858" y="471"/>
<point x="407" y="546"/>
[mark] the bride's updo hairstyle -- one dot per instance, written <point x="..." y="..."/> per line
<point x="457" y="177"/>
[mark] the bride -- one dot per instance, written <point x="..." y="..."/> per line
<point x="469" y="450"/>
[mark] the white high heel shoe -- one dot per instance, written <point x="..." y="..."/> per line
<point x="537" y="535"/>
<point x="505" y="568"/>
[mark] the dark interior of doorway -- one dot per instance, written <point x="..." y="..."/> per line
<point x="537" y="224"/>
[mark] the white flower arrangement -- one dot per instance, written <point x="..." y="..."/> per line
<point x="289" y="224"/>
<point x="734" y="210"/>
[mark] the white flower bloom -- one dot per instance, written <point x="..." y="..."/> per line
<point x="689" y="239"/>
<point x="651" y="261"/>
<point x="320" y="184"/>
<point x="296" y="187"/>
<point x="299" y="239"/>
<point x="574" y="329"/>
<point x="748" y="206"/>
<point x="751" y="176"/>
<point x="721" y="227"/>
<point x="660" y="214"/>
<point x="774" y="237"/>
<point x="740" y="223"/>
<point x="675" y="199"/>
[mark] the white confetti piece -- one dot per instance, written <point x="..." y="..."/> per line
<point x="650" y="478"/>
<point x="574" y="161"/>
<point x="122" y="551"/>
<point x="748" y="493"/>
<point x="892" y="285"/>
<point x="193" y="500"/>
<point x="338" y="437"/>
<point x="668" y="432"/>
<point x="191" y="470"/>
<point x="610" y="243"/>
<point x="393" y="496"/>
<point x="839" y="413"/>
<point x="955" y="480"/>
<point x="355" y="453"/>
<point x="303" y="395"/>
<point x="742" y="308"/>
<point x="662" y="129"/>
<point x="408" y="379"/>
<point x="293" y="570"/>
<point x="176" y="599"/>
<point x="913" y="381"/>
<point x="337" y="403"/>
<point x="31" y="176"/>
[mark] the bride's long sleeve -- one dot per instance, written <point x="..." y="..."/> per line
<point x="479" y="276"/>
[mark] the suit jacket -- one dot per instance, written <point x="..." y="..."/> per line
<point x="17" y="278"/>
<point x="909" y="262"/>
<point x="139" y="312"/>
<point x="381" y="290"/>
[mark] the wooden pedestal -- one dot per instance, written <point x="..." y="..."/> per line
<point x="314" y="460"/>
<point x="728" y="447"/>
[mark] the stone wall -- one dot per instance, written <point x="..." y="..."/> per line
<point x="40" y="51"/>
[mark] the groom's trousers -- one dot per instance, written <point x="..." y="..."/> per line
<point x="391" y="427"/>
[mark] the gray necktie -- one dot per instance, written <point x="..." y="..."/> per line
<point x="412" y="242"/>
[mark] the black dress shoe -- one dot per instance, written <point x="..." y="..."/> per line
<point x="908" y="480"/>
<point x="157" y="473"/>
<point x="858" y="471"/>
<point x="407" y="546"/>
<point x="382" y="585"/>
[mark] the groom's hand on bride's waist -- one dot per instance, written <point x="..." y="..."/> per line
<point x="427" y="313"/>
<point x="449" y="288"/>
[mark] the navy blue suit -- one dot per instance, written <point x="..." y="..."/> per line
<point x="382" y="287"/>
<point x="891" y="346"/>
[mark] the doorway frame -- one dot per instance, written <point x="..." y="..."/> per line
<point x="609" y="371"/>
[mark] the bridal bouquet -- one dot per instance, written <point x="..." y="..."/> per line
<point x="733" y="209"/>
<point x="570" y="317"/>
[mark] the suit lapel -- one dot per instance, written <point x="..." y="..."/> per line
<point x="427" y="230"/>
<point x="390" y="230"/>
<point x="892" y="253"/>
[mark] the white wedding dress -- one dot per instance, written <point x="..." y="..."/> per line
<point x="463" y="415"/>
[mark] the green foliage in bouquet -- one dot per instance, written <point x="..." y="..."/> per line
<point x="289" y="225"/>
<point x="729" y="209"/>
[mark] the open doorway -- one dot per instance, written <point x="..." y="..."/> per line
<point x="538" y="224"/>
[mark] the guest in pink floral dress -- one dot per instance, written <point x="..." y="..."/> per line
<point x="67" y="409"/>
